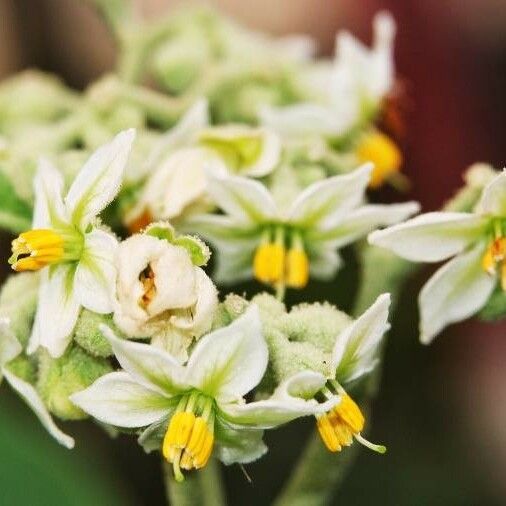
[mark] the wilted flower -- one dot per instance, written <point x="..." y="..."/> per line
<point x="161" y="292"/>
<point x="201" y="405"/>
<point x="476" y="240"/>
<point x="75" y="254"/>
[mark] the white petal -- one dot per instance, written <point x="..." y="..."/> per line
<point x="324" y="203"/>
<point x="238" y="445"/>
<point x="98" y="182"/>
<point x="455" y="292"/>
<point x="431" y="237"/>
<point x="304" y="119"/>
<point x="196" y="118"/>
<point x="198" y="319"/>
<point x="355" y="350"/>
<point x="57" y="310"/>
<point x="149" y="366"/>
<point x="362" y="221"/>
<point x="324" y="263"/>
<point x="95" y="278"/>
<point x="119" y="400"/>
<point x="48" y="189"/>
<point x="244" y="199"/>
<point x="32" y="398"/>
<point x="289" y="401"/>
<point x="493" y="198"/>
<point x="10" y="347"/>
<point x="229" y="362"/>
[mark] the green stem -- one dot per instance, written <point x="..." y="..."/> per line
<point x="203" y="487"/>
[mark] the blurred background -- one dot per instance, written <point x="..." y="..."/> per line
<point x="442" y="409"/>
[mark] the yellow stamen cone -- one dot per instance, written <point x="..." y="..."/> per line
<point x="297" y="268"/>
<point x="269" y="263"/>
<point x="350" y="413"/>
<point x="36" y="249"/>
<point x="327" y="433"/>
<point x="378" y="148"/>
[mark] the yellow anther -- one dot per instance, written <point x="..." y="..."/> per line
<point x="343" y="422"/>
<point x="188" y="443"/>
<point x="350" y="413"/>
<point x="297" y="268"/>
<point x="36" y="249"/>
<point x="383" y="152"/>
<point x="495" y="257"/>
<point x="269" y="263"/>
<point x="327" y="433"/>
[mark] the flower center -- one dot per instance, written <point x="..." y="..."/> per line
<point x="273" y="264"/>
<point x="342" y="423"/>
<point x="36" y="249"/>
<point x="189" y="440"/>
<point x="494" y="259"/>
<point x="147" y="278"/>
<point x="376" y="147"/>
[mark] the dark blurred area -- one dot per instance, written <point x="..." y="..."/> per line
<point x="441" y="409"/>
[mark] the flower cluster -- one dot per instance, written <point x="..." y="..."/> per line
<point x="270" y="156"/>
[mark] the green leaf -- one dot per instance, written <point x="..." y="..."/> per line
<point x="15" y="213"/>
<point x="495" y="308"/>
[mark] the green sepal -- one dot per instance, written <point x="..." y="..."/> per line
<point x="495" y="308"/>
<point x="196" y="248"/>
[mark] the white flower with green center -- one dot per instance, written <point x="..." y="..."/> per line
<point x="355" y="354"/>
<point x="282" y="247"/>
<point x="177" y="181"/>
<point x="349" y="90"/>
<point x="201" y="405"/>
<point x="75" y="255"/>
<point x="476" y="240"/>
<point x="10" y="348"/>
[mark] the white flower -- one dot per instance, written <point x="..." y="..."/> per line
<point x="355" y="354"/>
<point x="281" y="247"/>
<point x="477" y="242"/>
<point x="177" y="182"/>
<point x="162" y="294"/>
<point x="200" y="405"/>
<point x="76" y="256"/>
<point x="349" y="89"/>
<point x="10" y="348"/>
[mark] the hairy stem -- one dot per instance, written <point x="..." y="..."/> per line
<point x="202" y="487"/>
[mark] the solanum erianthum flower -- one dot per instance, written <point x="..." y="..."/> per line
<point x="282" y="247"/>
<point x="347" y="90"/>
<point x="75" y="255"/>
<point x="10" y="349"/>
<point x="177" y="181"/>
<point x="355" y="354"/>
<point x="476" y="240"/>
<point x="200" y="406"/>
<point x="162" y="291"/>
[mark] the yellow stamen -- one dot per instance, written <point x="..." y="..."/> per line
<point x="495" y="257"/>
<point x="383" y="152"/>
<point x="36" y="249"/>
<point x="297" y="268"/>
<point x="188" y="442"/>
<point x="341" y="424"/>
<point x="269" y="263"/>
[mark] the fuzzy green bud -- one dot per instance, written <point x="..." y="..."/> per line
<point x="61" y="377"/>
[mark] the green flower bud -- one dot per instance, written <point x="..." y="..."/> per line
<point x="87" y="333"/>
<point x="24" y="367"/>
<point x="61" y="377"/>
